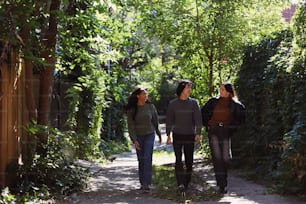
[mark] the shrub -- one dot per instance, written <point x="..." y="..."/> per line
<point x="55" y="172"/>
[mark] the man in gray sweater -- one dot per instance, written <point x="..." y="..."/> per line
<point x="184" y="120"/>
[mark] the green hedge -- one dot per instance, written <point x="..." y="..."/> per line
<point x="271" y="145"/>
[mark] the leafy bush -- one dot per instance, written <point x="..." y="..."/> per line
<point x="7" y="197"/>
<point x="86" y="98"/>
<point x="54" y="172"/>
<point x="292" y="168"/>
<point x="271" y="84"/>
<point x="256" y="86"/>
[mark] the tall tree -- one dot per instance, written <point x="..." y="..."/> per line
<point x="32" y="27"/>
<point x="207" y="37"/>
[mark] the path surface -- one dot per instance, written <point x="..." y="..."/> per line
<point x="117" y="183"/>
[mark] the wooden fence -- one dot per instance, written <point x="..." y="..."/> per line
<point x="13" y="116"/>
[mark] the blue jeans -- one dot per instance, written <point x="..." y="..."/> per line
<point x="144" y="156"/>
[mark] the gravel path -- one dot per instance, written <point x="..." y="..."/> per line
<point x="117" y="182"/>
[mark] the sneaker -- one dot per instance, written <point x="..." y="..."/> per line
<point x="223" y="190"/>
<point x="146" y="189"/>
<point x="181" y="188"/>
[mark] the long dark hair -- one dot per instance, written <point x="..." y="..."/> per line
<point x="230" y="89"/>
<point x="132" y="103"/>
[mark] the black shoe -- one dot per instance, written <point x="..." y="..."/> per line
<point x="223" y="190"/>
<point x="181" y="188"/>
<point x="146" y="189"/>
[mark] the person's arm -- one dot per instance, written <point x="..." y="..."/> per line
<point x="131" y="126"/>
<point x="197" y="118"/>
<point x="156" y="123"/>
<point x="169" y="122"/>
<point x="131" y="129"/>
<point x="198" y="122"/>
<point x="206" y="112"/>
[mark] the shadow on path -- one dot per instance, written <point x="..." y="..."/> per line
<point x="241" y="191"/>
<point x="117" y="183"/>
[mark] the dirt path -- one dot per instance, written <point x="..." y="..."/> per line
<point x="117" y="182"/>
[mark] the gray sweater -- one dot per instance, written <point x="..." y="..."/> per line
<point x="184" y="117"/>
<point x="146" y="121"/>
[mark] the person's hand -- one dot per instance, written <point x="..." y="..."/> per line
<point x="137" y="146"/>
<point x="197" y="139"/>
<point x="168" y="140"/>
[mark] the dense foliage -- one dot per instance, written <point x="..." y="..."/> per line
<point x="105" y="48"/>
<point x="271" y="145"/>
<point x="83" y="53"/>
<point x="292" y="168"/>
<point x="258" y="86"/>
<point x="202" y="40"/>
<point x="55" y="172"/>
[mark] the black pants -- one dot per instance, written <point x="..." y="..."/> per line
<point x="183" y="143"/>
<point x="220" y="146"/>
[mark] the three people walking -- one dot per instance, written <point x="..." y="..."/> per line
<point x="220" y="115"/>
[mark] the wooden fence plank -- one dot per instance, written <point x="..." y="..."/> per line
<point x="3" y="124"/>
<point x="12" y="119"/>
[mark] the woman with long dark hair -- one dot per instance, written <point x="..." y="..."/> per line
<point x="221" y="116"/>
<point x="143" y="123"/>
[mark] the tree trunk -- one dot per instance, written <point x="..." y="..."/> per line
<point x="46" y="75"/>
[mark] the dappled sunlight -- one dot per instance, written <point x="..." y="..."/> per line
<point x="117" y="182"/>
<point x="122" y="179"/>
